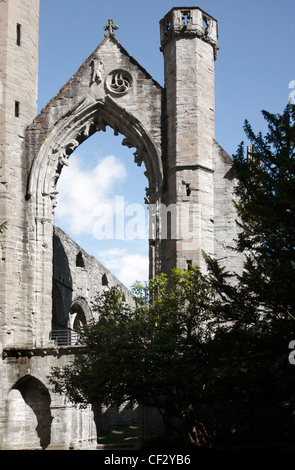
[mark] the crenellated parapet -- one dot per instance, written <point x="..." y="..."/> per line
<point x="189" y="22"/>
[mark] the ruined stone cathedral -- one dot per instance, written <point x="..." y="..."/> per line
<point x="47" y="281"/>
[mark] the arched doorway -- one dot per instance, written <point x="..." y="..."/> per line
<point x="29" y="415"/>
<point x="79" y="315"/>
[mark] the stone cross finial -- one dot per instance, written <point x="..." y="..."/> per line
<point x="111" y="27"/>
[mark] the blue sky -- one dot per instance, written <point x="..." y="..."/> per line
<point x="255" y="65"/>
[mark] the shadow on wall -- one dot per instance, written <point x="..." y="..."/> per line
<point x="62" y="291"/>
<point x="29" y="423"/>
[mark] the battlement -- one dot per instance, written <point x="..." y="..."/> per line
<point x="189" y="22"/>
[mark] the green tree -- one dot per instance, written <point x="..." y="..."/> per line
<point x="266" y="209"/>
<point x="147" y="353"/>
<point x="261" y="303"/>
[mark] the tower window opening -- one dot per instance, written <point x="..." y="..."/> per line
<point x="18" y="34"/>
<point x="186" y="17"/>
<point x="16" y="108"/>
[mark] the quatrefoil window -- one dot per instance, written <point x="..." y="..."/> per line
<point x="119" y="82"/>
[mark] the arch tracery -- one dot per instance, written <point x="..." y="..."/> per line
<point x="74" y="128"/>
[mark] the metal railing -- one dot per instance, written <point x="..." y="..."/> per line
<point x="66" y="337"/>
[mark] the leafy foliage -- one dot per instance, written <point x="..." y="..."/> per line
<point x="147" y="353"/>
<point x="266" y="208"/>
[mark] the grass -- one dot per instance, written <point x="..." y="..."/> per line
<point x="121" y="435"/>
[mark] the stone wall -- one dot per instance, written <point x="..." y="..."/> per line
<point x="225" y="216"/>
<point x="77" y="278"/>
<point x="32" y="417"/>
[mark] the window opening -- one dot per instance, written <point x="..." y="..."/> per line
<point x="104" y="280"/>
<point x="16" y="108"/>
<point x="186" y="17"/>
<point x="77" y="317"/>
<point x="205" y="24"/>
<point x="79" y="260"/>
<point x="168" y="26"/>
<point x="120" y="81"/>
<point x="189" y="264"/>
<point x="18" y="34"/>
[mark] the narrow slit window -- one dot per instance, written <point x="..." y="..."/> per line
<point x="16" y="108"/>
<point x="188" y="189"/>
<point x="18" y="34"/>
<point x="205" y="24"/>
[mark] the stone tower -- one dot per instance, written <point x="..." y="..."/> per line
<point x="198" y="180"/>
<point x="47" y="282"/>
<point x="19" y="23"/>
<point x="189" y="45"/>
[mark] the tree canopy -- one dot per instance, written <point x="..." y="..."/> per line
<point x="147" y="353"/>
<point x="266" y="208"/>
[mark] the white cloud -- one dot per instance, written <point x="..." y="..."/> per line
<point x="82" y="191"/>
<point x="133" y="268"/>
<point x="84" y="194"/>
<point x="127" y="267"/>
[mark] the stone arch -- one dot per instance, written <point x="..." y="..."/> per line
<point x="48" y="153"/>
<point x="80" y="314"/>
<point x="29" y="414"/>
<point x="78" y="125"/>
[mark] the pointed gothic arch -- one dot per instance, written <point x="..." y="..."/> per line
<point x="65" y="136"/>
<point x="80" y="313"/>
<point x="78" y="125"/>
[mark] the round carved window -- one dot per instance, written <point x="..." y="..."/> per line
<point x="119" y="82"/>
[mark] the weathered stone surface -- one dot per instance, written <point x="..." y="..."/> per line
<point x="77" y="277"/>
<point x="47" y="281"/>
